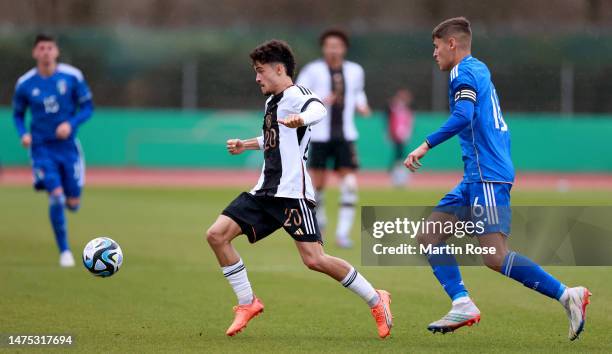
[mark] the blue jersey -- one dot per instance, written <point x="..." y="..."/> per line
<point x="63" y="96"/>
<point x="478" y="121"/>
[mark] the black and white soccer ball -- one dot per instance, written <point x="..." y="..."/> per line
<point x="102" y="256"/>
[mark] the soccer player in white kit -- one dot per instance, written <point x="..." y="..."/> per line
<point x="341" y="85"/>
<point x="283" y="196"/>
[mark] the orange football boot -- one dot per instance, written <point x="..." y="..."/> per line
<point x="244" y="313"/>
<point x="382" y="314"/>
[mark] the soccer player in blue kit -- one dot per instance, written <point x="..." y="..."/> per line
<point x="484" y="193"/>
<point x="59" y="101"/>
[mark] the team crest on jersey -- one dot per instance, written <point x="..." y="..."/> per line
<point x="35" y="92"/>
<point x="268" y="121"/>
<point x="62" y="87"/>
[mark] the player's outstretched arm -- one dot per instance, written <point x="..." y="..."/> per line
<point x="292" y="121"/>
<point x="237" y="146"/>
<point x="314" y="113"/>
<point x="460" y="118"/>
<point x="412" y="161"/>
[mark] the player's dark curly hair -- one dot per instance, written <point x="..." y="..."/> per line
<point x="334" y="32"/>
<point x="43" y="37"/>
<point x="275" y="51"/>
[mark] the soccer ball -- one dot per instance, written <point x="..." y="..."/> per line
<point x="102" y="257"/>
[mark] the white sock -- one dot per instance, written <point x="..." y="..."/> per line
<point x="465" y="304"/>
<point x="348" y="200"/>
<point x="237" y="276"/>
<point x="564" y="296"/>
<point x="360" y="286"/>
<point x="346" y="216"/>
<point x="321" y="217"/>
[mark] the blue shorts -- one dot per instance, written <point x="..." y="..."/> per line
<point x="58" y="164"/>
<point x="480" y="201"/>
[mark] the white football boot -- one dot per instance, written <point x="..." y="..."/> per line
<point x="66" y="259"/>
<point x="575" y="301"/>
<point x="463" y="313"/>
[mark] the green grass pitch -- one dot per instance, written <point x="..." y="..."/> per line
<point x="170" y="295"/>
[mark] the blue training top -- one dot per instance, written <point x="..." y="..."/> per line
<point x="63" y="96"/>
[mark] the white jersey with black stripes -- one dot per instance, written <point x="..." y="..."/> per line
<point x="284" y="172"/>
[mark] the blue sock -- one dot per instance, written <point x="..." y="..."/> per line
<point x="525" y="271"/>
<point x="58" y="221"/>
<point x="445" y="268"/>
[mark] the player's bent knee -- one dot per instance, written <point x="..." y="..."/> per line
<point x="57" y="192"/>
<point x="494" y="261"/>
<point x="57" y="199"/>
<point x="215" y="236"/>
<point x="212" y="236"/>
<point x="73" y="204"/>
<point x="315" y="263"/>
